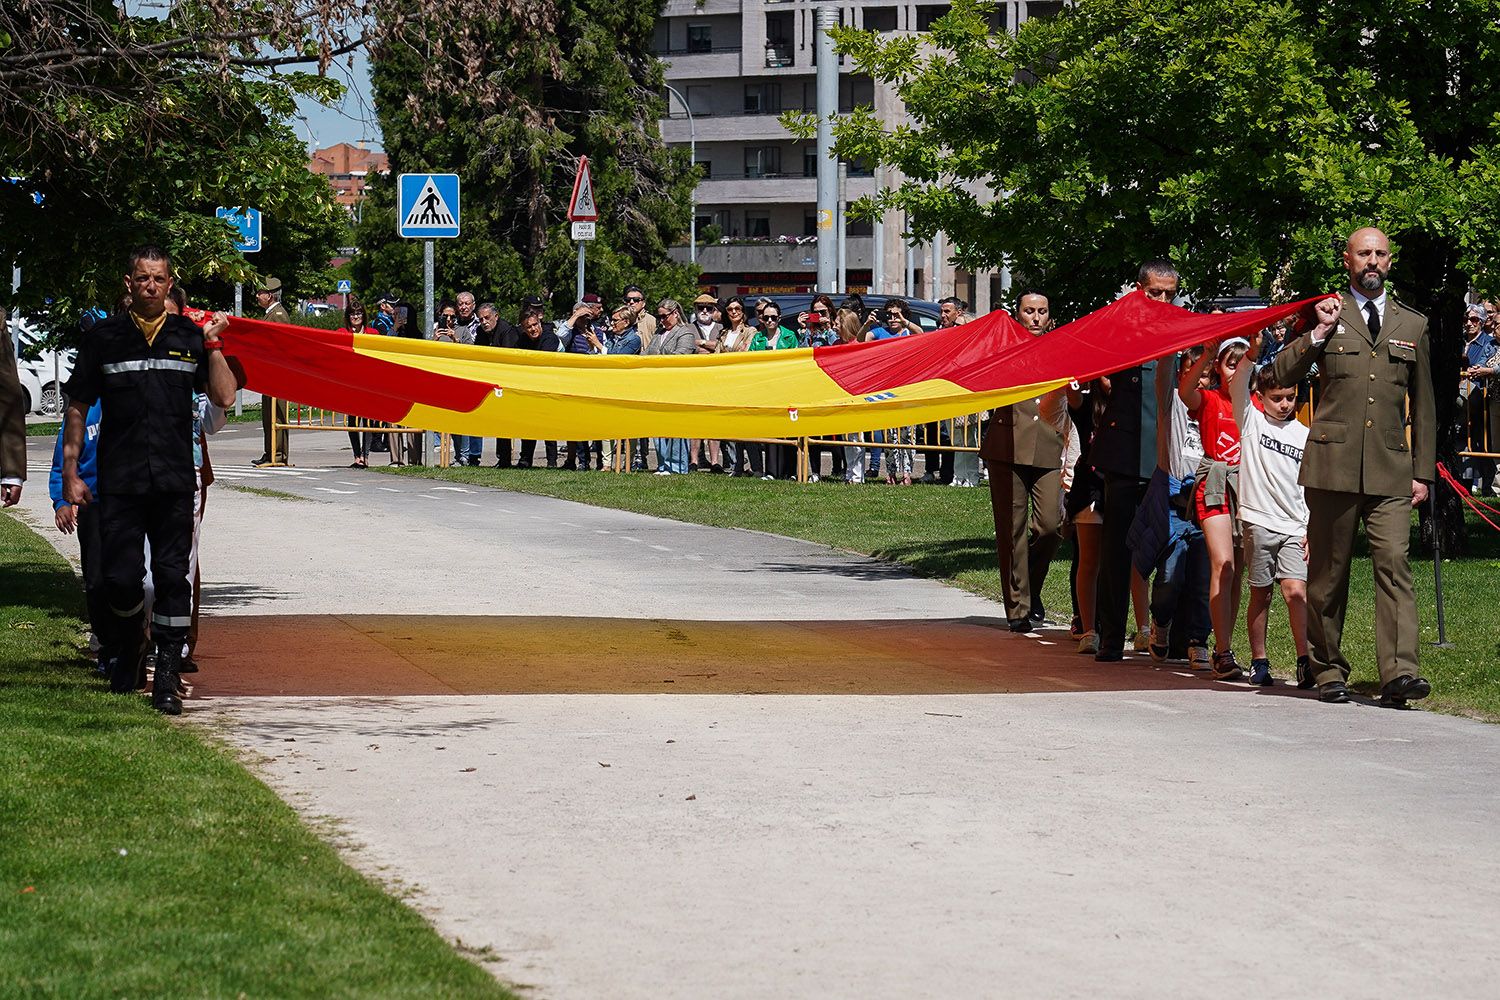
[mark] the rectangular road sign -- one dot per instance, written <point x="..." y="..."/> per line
<point x="583" y="230"/>
<point x="427" y="206"/>
<point x="247" y="221"/>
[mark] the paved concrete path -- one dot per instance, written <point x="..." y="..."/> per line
<point x="536" y="713"/>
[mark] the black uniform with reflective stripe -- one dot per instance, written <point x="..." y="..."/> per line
<point x="146" y="434"/>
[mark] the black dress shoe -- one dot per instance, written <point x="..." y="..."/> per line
<point x="189" y="666"/>
<point x="1403" y="689"/>
<point x="1038" y="614"/>
<point x="1334" y="692"/>
<point x="1019" y="624"/>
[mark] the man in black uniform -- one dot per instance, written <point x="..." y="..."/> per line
<point x="144" y="364"/>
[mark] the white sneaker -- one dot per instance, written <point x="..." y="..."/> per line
<point x="768" y="478"/>
<point x="813" y="478"/>
<point x="1198" y="658"/>
<point x="662" y="472"/>
<point x="1088" y="643"/>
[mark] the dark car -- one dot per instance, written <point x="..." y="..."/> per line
<point x="923" y="312"/>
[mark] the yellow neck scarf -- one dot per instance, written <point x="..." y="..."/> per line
<point x="149" y="327"/>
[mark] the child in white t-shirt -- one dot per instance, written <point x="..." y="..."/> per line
<point x="1273" y="512"/>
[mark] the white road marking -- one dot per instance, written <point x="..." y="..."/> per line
<point x="330" y="489"/>
<point x="661" y="548"/>
<point x="601" y="531"/>
<point x="390" y="489"/>
<point x="569" y="524"/>
<point x="428" y="496"/>
<point x="450" y="489"/>
<point x="1153" y="706"/>
<point x="1061" y="680"/>
<point x="629" y="539"/>
<point x="469" y="503"/>
<point x="1267" y="737"/>
<point x="342" y="483"/>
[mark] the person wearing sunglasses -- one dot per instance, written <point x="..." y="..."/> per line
<point x="641" y="318"/>
<point x="354" y="322"/>
<point x="771" y="335"/>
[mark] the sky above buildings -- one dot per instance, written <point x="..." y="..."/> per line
<point x="351" y="119"/>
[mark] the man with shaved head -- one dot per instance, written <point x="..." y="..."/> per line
<point x="1374" y="367"/>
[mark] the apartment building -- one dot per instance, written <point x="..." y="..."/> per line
<point x="737" y="65"/>
<point x="347" y="166"/>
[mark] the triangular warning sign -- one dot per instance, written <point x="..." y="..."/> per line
<point x="582" y="207"/>
<point x="429" y="209"/>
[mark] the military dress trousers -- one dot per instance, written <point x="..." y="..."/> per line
<point x="1023" y="448"/>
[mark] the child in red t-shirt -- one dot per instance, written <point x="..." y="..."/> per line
<point x="1214" y="411"/>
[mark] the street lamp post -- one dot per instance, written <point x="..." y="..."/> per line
<point x="693" y="155"/>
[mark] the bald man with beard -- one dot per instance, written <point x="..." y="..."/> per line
<point x="1374" y="366"/>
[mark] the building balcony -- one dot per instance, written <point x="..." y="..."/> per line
<point x="723" y="128"/>
<point x="718" y="62"/>
<point x="771" y="189"/>
<point x="774" y="257"/>
<point x="699" y="8"/>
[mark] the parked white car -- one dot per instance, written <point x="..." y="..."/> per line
<point x="42" y="377"/>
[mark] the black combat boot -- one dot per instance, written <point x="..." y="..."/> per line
<point x="164" y="689"/>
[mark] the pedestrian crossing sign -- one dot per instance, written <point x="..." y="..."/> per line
<point x="427" y="206"/>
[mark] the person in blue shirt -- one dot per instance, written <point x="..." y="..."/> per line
<point x="84" y="520"/>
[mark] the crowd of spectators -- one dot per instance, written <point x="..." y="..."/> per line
<point x="708" y="326"/>
<point x="1479" y="396"/>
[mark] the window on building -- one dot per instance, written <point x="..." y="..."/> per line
<point x="1036" y="10"/>
<point x="763" y="99"/>
<point x="700" y="38"/>
<point x="780" y="34"/>
<point x="810" y="162"/>
<point x="703" y="222"/>
<point x="858" y="227"/>
<point x="762" y="161"/>
<point x="880" y="18"/>
<point x="758" y="225"/>
<point x="929" y="12"/>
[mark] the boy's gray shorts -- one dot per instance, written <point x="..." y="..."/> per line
<point x="1272" y="556"/>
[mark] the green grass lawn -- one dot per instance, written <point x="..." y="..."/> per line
<point x="948" y="534"/>
<point x="138" y="859"/>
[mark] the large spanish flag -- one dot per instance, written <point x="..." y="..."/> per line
<point x="492" y="392"/>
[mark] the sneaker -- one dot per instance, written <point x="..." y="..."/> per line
<point x="1088" y="643"/>
<point x="767" y="479"/>
<point x="1305" y="680"/>
<point x="813" y="478"/>
<point x="1142" y="641"/>
<point x="1075" y="628"/>
<point x="1260" y="673"/>
<point x="1225" y="668"/>
<point x="662" y="472"/>
<point x="1198" y="658"/>
<point x="1158" y="642"/>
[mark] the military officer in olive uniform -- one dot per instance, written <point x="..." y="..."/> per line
<point x="269" y="297"/>
<point x="1023" y="449"/>
<point x="1373" y="359"/>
